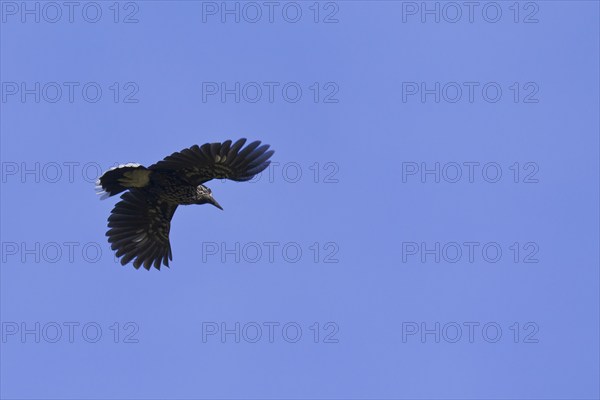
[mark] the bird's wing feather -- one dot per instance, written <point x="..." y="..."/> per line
<point x="200" y="164"/>
<point x="139" y="229"/>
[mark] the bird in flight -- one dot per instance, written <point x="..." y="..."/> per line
<point x="140" y="223"/>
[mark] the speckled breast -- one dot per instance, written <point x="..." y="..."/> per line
<point x="174" y="190"/>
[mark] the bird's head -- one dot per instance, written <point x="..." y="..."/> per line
<point x="204" y="196"/>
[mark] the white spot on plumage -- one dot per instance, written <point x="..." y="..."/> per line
<point x="133" y="178"/>
<point x="127" y="165"/>
<point x="120" y="166"/>
<point x="100" y="190"/>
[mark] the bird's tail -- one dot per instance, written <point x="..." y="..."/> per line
<point x="121" y="178"/>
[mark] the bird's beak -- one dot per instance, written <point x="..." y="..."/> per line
<point x="215" y="203"/>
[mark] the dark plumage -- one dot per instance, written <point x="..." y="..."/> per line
<point x="140" y="223"/>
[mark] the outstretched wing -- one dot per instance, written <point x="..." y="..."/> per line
<point x="139" y="229"/>
<point x="200" y="164"/>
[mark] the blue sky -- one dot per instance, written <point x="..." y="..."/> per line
<point x="429" y="227"/>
